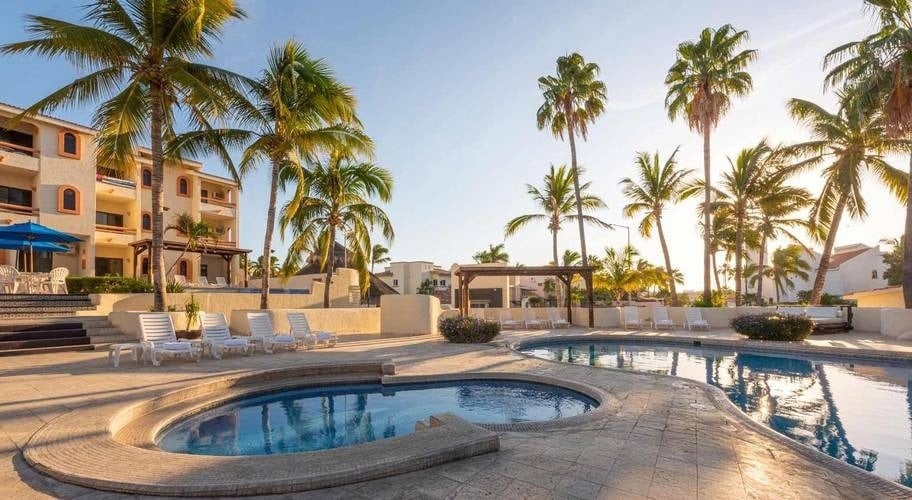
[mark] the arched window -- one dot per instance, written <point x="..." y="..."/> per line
<point x="146" y="177"/>
<point x="183" y="186"/>
<point x="68" y="200"/>
<point x="146" y="221"/>
<point x="68" y="144"/>
<point x="144" y="267"/>
<point x="183" y="268"/>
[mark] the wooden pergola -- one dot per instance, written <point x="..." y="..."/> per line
<point x="564" y="273"/>
<point x="227" y="253"/>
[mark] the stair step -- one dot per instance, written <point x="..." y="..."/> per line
<point x="46" y="350"/>
<point x="102" y="331"/>
<point x="106" y="340"/>
<point x="36" y="326"/>
<point x="43" y="296"/>
<point x="42" y="335"/>
<point x="28" y="344"/>
<point x="44" y="309"/>
<point x="59" y="315"/>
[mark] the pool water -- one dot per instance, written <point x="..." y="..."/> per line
<point x="859" y="412"/>
<point x="331" y="417"/>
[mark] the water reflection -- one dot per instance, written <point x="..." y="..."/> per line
<point x="858" y="413"/>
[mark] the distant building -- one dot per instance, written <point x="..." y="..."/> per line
<point x="405" y="277"/>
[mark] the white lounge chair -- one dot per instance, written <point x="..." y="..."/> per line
<point x="220" y="282"/>
<point x="217" y="338"/>
<point x="660" y="318"/>
<point x="555" y="319"/>
<point x="632" y="317"/>
<point x="56" y="280"/>
<point x="180" y="279"/>
<point x="160" y="341"/>
<point x="300" y="328"/>
<point x="507" y="321"/>
<point x="693" y="318"/>
<point x="530" y="321"/>
<point x="9" y="279"/>
<point x="262" y="332"/>
<point x="827" y="318"/>
<point x="791" y="310"/>
<point x="204" y="282"/>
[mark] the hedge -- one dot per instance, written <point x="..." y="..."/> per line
<point x="467" y="330"/>
<point x="107" y="284"/>
<point x="773" y="326"/>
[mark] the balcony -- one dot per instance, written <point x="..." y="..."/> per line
<point x="218" y="209"/>
<point x="18" y="157"/>
<point x="14" y="214"/>
<point x="114" y="235"/>
<point x="114" y="189"/>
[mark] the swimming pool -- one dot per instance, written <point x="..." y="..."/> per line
<point x="857" y="411"/>
<point x="331" y="417"/>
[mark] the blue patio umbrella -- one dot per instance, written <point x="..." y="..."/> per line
<point x="30" y="233"/>
<point x="41" y="246"/>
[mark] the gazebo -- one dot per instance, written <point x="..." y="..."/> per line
<point x="564" y="273"/>
<point x="227" y="253"/>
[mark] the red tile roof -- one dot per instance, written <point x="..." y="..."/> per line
<point x="838" y="259"/>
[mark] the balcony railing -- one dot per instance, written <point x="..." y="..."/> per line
<point x="221" y="203"/>
<point x="18" y="209"/>
<point x="113" y="229"/>
<point x="114" y="181"/>
<point x="15" y="148"/>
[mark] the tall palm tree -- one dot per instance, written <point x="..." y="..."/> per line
<point x="660" y="184"/>
<point x="298" y="109"/>
<point x="879" y="70"/>
<point x="619" y="274"/>
<point x="334" y="195"/>
<point x="847" y="144"/>
<point x="142" y="58"/>
<point x="574" y="98"/>
<point x="556" y="200"/>
<point x="494" y="253"/>
<point x="379" y="254"/>
<point x="257" y="267"/>
<point x="787" y="262"/>
<point x="570" y="258"/>
<point x="707" y="73"/>
<point x="199" y="234"/>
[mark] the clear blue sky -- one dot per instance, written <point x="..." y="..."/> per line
<point x="448" y="91"/>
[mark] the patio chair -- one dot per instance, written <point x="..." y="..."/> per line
<point x="204" y="282"/>
<point x="529" y="319"/>
<point x="220" y="281"/>
<point x="632" y="317"/>
<point x="180" y="279"/>
<point x="56" y="280"/>
<point x="217" y="338"/>
<point x="9" y="279"/>
<point x="262" y="332"/>
<point x="555" y="319"/>
<point x="300" y="328"/>
<point x="159" y="340"/>
<point x="693" y="318"/>
<point x="507" y="321"/>
<point x="660" y="318"/>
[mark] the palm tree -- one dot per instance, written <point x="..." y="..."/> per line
<point x="574" y="97"/>
<point x="556" y="201"/>
<point x="701" y="82"/>
<point x="786" y="263"/>
<point x="660" y="184"/>
<point x="198" y="234"/>
<point x="257" y="268"/>
<point x="619" y="275"/>
<point x="334" y="196"/>
<point x="298" y="110"/>
<point x="570" y="258"/>
<point x="494" y="253"/>
<point x="848" y="143"/>
<point x="878" y="68"/>
<point x="379" y="254"/>
<point x="143" y="57"/>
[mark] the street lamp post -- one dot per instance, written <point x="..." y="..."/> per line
<point x="615" y="226"/>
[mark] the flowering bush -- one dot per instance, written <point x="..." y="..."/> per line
<point x="773" y="326"/>
<point x="465" y="330"/>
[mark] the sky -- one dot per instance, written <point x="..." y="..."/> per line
<point x="448" y="91"/>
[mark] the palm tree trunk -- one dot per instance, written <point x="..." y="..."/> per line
<point x="158" y="198"/>
<point x="267" y="238"/>
<point x="715" y="271"/>
<point x="827" y="251"/>
<point x="760" y="265"/>
<point x="576" y="186"/>
<point x="907" y="246"/>
<point x="556" y="263"/>
<point x="671" y="280"/>
<point x="739" y="257"/>
<point x="329" y="266"/>
<point x="707" y="222"/>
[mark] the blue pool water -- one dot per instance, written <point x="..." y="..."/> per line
<point x="859" y="412"/>
<point x="335" y="416"/>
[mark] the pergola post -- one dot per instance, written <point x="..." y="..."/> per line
<point x="244" y="265"/>
<point x="590" y="296"/>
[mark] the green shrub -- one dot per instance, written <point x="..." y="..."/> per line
<point x="773" y="326"/>
<point x="192" y="310"/>
<point x="107" y="284"/>
<point x="174" y="287"/>
<point x="466" y="330"/>
<point x="719" y="297"/>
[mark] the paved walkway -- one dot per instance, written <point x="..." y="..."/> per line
<point x="666" y="439"/>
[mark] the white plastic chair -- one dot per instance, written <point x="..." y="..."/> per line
<point x="660" y="318"/>
<point x="300" y="328"/>
<point x="529" y="319"/>
<point x="507" y="321"/>
<point x="56" y="280"/>
<point x="262" y="332"/>
<point x="159" y="340"/>
<point x="555" y="319"/>
<point x="204" y="282"/>
<point x="217" y="338"/>
<point x="220" y="281"/>
<point x="9" y="279"/>
<point x="632" y="317"/>
<point x="693" y="318"/>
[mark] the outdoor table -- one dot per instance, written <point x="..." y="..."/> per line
<point x="134" y="348"/>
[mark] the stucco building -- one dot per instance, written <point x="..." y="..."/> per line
<point x="405" y="277"/>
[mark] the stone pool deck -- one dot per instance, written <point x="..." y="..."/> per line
<point x="666" y="438"/>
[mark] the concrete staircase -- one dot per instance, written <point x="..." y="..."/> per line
<point x="25" y="306"/>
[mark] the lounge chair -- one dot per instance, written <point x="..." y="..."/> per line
<point x="660" y="318"/>
<point x="529" y="319"/>
<point x="217" y="338"/>
<point x="160" y="341"/>
<point x="9" y="279"/>
<point x="262" y="332"/>
<point x="827" y="319"/>
<point x="300" y="328"/>
<point x="632" y="317"/>
<point x="507" y="321"/>
<point x="693" y="318"/>
<point x="555" y="319"/>
<point x="220" y="282"/>
<point x="204" y="282"/>
<point x="56" y="280"/>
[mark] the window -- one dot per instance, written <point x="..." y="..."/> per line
<point x="874" y="275"/>
<point x="17" y="138"/>
<point x="146" y="221"/>
<point x="68" y="200"/>
<point x="109" y="219"/>
<point x="395" y="282"/>
<point x="68" y="144"/>
<point x="442" y="282"/>
<point x="435" y="282"/>
<point x="16" y="196"/>
<point x="204" y="270"/>
<point x="144" y="266"/>
<point x="204" y="193"/>
<point x="43" y="261"/>
<point x="106" y="266"/>
<point x="183" y="186"/>
<point x="146" y="178"/>
<point x="183" y="268"/>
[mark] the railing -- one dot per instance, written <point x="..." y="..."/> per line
<point x="18" y="209"/>
<point x="15" y="148"/>
<point x="221" y="203"/>
<point x="113" y="229"/>
<point x="224" y="243"/>
<point x="115" y="181"/>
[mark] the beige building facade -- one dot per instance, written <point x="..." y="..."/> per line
<point x="48" y="175"/>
